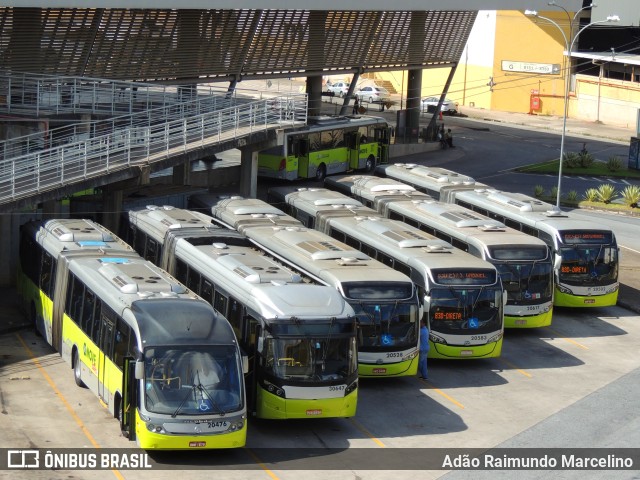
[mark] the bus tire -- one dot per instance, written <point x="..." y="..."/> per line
<point x="370" y="164"/>
<point x="77" y="371"/>
<point x="321" y="172"/>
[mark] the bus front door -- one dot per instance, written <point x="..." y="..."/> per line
<point x="302" y="153"/>
<point x="352" y="140"/>
<point x="106" y="347"/>
<point x="129" y="399"/>
<point x="382" y="138"/>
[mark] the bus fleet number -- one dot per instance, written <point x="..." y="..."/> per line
<point x="394" y="355"/>
<point x="478" y="337"/>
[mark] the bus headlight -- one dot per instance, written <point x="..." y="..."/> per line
<point x="236" y="426"/>
<point x="613" y="288"/>
<point x="563" y="289"/>
<point x="495" y="338"/>
<point x="437" y="338"/>
<point x="271" y="388"/>
<point x="412" y="355"/>
<point x="351" y="388"/>
<point x="155" y="428"/>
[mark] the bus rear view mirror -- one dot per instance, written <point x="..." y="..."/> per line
<point x="139" y="372"/>
<point x="557" y="262"/>
<point x="245" y="364"/>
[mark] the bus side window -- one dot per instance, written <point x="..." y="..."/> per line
<point x="193" y="280"/>
<point x="106" y="336"/>
<point x="121" y="342"/>
<point x="220" y="303"/>
<point x="249" y="340"/>
<point x="75" y="294"/>
<point x="206" y="291"/>
<point x="303" y="148"/>
<point x="46" y="274"/>
<point x="181" y="271"/>
<point x="235" y="316"/>
<point x="96" y="315"/>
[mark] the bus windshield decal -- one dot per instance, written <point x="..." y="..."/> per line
<point x="579" y="237"/>
<point x="464" y="277"/>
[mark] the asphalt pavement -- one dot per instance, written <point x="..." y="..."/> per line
<point x="11" y="319"/>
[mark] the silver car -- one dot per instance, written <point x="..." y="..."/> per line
<point x="430" y="104"/>
<point x="339" y="88"/>
<point x="373" y="94"/>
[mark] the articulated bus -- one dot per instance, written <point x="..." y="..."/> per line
<point x="328" y="145"/>
<point x="162" y="360"/>
<point x="523" y="261"/>
<point x="586" y="256"/>
<point x="385" y="300"/>
<point x="462" y="294"/>
<point x="300" y="337"/>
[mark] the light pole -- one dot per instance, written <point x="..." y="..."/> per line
<point x="568" y="42"/>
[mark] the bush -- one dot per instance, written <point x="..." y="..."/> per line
<point x="606" y="193"/>
<point x="554" y="192"/>
<point x="572" y="160"/>
<point x="614" y="164"/>
<point x="586" y="159"/>
<point x="538" y="191"/>
<point x="572" y="196"/>
<point x="631" y="195"/>
<point x="591" y="195"/>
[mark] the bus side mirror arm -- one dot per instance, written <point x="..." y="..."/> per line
<point x="245" y="364"/>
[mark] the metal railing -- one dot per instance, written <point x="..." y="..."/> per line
<point x="39" y="171"/>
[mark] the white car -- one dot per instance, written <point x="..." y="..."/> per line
<point x="373" y="94"/>
<point x="430" y="104"/>
<point x="339" y="88"/>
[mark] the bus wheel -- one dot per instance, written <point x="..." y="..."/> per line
<point x="321" y="172"/>
<point x="77" y="373"/>
<point x="370" y="165"/>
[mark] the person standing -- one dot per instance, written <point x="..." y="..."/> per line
<point x="449" y="138"/>
<point x="356" y="106"/>
<point x="424" y="350"/>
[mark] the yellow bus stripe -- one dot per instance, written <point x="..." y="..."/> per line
<point x="511" y="365"/>
<point x="259" y="462"/>
<point x="64" y="400"/>
<point x="568" y="340"/>
<point x="361" y="427"/>
<point x="440" y="392"/>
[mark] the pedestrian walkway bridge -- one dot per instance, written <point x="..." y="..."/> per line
<point x="133" y="126"/>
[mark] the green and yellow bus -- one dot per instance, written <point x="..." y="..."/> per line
<point x="326" y="146"/>
<point x="300" y="336"/>
<point x="160" y="358"/>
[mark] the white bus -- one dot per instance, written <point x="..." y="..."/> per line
<point x="462" y="294"/>
<point x="300" y="337"/>
<point x="587" y="255"/>
<point x="385" y="300"/>
<point x="523" y="262"/>
<point x="159" y="357"/>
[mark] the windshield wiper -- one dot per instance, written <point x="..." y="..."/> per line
<point x="203" y="391"/>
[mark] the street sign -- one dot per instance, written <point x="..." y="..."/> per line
<point x="528" y="67"/>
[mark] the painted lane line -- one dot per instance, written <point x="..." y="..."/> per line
<point x="361" y="427"/>
<point x="70" y="409"/>
<point x="568" y="340"/>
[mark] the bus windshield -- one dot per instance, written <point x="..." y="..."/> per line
<point x="460" y="310"/>
<point x="382" y="325"/>
<point x="588" y="264"/>
<point x="527" y="283"/>
<point x="310" y="359"/>
<point x="193" y="380"/>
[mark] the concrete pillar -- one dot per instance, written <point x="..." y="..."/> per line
<point x="414" y="89"/>
<point x="24" y="53"/>
<point x="8" y="254"/>
<point x="111" y="208"/>
<point x="314" y="94"/>
<point x="315" y="59"/>
<point x="248" y="172"/>
<point x="181" y="174"/>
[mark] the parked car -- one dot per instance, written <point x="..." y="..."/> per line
<point x="373" y="94"/>
<point x="339" y="89"/>
<point x="430" y="104"/>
